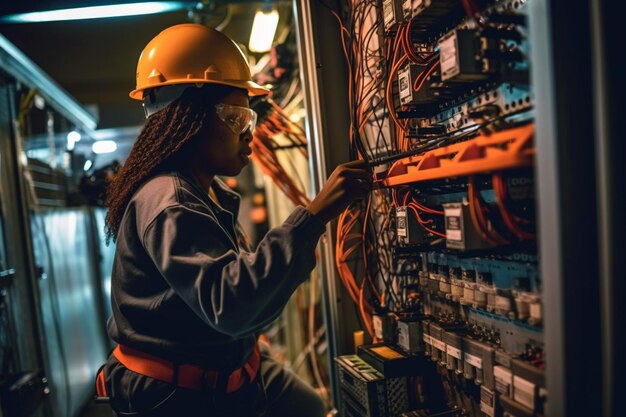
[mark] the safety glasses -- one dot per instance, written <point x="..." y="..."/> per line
<point x="239" y="119"/>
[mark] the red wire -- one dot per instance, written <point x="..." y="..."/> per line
<point x="415" y="207"/>
<point x="478" y="216"/>
<point x="426" y="74"/>
<point x="499" y="189"/>
<point x="468" y="8"/>
<point x="423" y="223"/>
<point x="420" y="205"/>
<point x="427" y="209"/>
<point x="408" y="48"/>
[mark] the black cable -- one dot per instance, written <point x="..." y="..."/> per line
<point x="392" y="158"/>
<point x="380" y="242"/>
<point x="450" y="139"/>
<point x="376" y="241"/>
<point x="377" y="122"/>
<point x="381" y="136"/>
<point x="358" y="17"/>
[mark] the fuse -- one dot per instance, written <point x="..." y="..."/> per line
<point x="504" y="304"/>
<point x="469" y="284"/>
<point x="478" y="362"/>
<point x="535" y="312"/>
<point x="454" y="353"/>
<point x="438" y="346"/>
<point x="483" y="284"/>
<point x="444" y="279"/>
<point x="456" y="282"/>
<point x="487" y="401"/>
<point x="426" y="337"/>
<point x="491" y="292"/>
<point x="528" y="306"/>
<point x="469" y="370"/>
<point x="524" y="392"/>
<point x="504" y="379"/>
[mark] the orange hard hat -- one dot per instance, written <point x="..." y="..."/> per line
<point x="193" y="54"/>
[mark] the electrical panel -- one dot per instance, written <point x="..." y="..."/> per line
<point x="441" y="260"/>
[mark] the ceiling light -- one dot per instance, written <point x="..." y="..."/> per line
<point x="87" y="165"/>
<point x="263" y="30"/>
<point x="96" y="12"/>
<point x="72" y="138"/>
<point x="104" y="146"/>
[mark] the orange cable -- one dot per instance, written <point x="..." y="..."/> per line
<point x="478" y="217"/>
<point x="500" y="194"/>
<point x="423" y="78"/>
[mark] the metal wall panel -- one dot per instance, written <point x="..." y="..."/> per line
<point x="567" y="190"/>
<point x="27" y="347"/>
<point x="106" y="254"/>
<point x="56" y="296"/>
<point x="74" y="332"/>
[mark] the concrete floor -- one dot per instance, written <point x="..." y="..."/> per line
<point x="97" y="410"/>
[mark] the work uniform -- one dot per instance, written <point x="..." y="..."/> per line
<point x="184" y="291"/>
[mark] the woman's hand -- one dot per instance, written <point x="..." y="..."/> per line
<point x="348" y="182"/>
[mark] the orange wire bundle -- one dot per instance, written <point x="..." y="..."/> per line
<point x="477" y="214"/>
<point x="349" y="241"/>
<point x="510" y="221"/>
<point x="264" y="147"/>
<point x="482" y="223"/>
<point x="370" y="90"/>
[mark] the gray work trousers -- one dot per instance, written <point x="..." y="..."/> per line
<point x="276" y="392"/>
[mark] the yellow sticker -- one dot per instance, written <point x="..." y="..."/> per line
<point x="386" y="352"/>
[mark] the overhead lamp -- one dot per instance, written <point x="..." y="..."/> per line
<point x="104" y="146"/>
<point x="263" y="30"/>
<point x="72" y="138"/>
<point x="97" y="12"/>
<point x="88" y="165"/>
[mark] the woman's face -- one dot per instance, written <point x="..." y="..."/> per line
<point x="222" y="151"/>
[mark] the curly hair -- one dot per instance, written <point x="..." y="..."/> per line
<point x="162" y="145"/>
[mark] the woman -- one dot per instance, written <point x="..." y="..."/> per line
<point x="188" y="300"/>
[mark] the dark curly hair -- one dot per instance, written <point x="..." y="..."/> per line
<point x="165" y="139"/>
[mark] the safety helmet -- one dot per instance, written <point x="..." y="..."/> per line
<point x="188" y="54"/>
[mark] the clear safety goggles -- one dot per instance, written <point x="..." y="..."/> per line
<point x="239" y="119"/>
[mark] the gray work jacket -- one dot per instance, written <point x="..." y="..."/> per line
<point x="182" y="288"/>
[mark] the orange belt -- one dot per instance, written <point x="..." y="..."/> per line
<point x="188" y="376"/>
